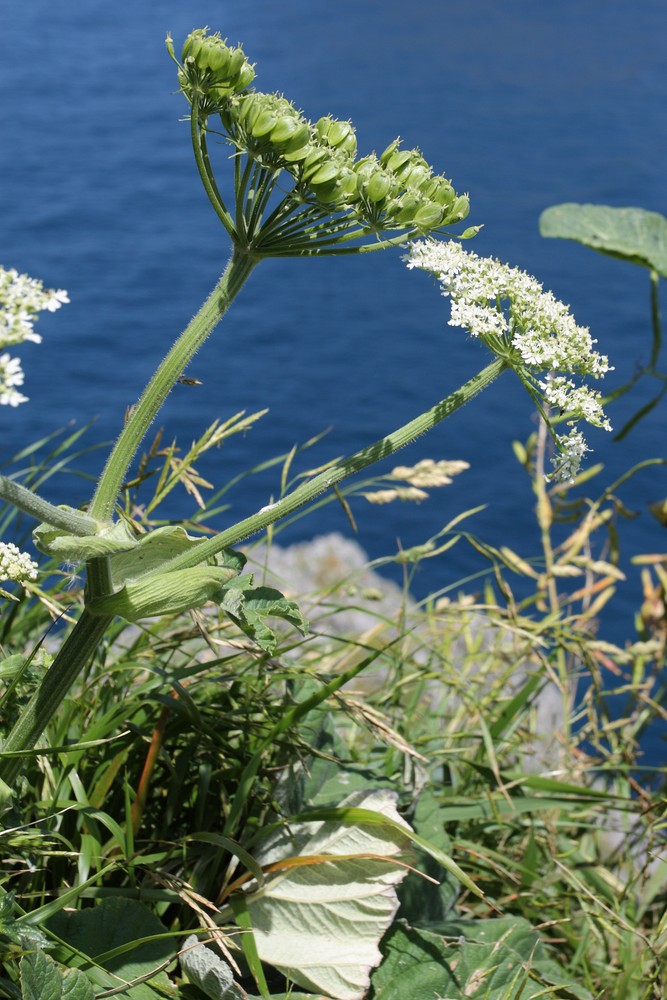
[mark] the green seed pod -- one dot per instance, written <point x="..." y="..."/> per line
<point x="245" y="77"/>
<point x="399" y="162"/>
<point x="428" y="217"/>
<point x="365" y="168"/>
<point x="322" y="126"/>
<point x="327" y="172"/>
<point x="290" y="134"/>
<point x="236" y="62"/>
<point x="408" y="206"/>
<point x="217" y="57"/>
<point x="378" y="186"/>
<point x="349" y="186"/>
<point x="440" y="191"/>
<point x="326" y="194"/>
<point x="417" y="177"/>
<point x="299" y="154"/>
<point x="284" y="130"/>
<point x="299" y="139"/>
<point x="248" y="105"/>
<point x="389" y="152"/>
<point x="342" y="136"/>
<point x="459" y="209"/>
<point x="314" y="160"/>
<point x="263" y="123"/>
<point x="192" y="44"/>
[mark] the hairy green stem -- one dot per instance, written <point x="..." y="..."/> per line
<point x="174" y="364"/>
<point x="339" y="470"/>
<point x="67" y="520"/>
<point x="74" y="654"/>
<point x="80" y="645"/>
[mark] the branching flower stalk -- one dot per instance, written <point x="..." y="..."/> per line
<point x="298" y="189"/>
<point x="509" y="311"/>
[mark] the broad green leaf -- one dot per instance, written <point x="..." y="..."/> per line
<point x="73" y="548"/>
<point x="250" y="607"/>
<point x="41" y="979"/>
<point x="480" y="960"/>
<point x="320" y="923"/>
<point x="630" y="234"/>
<point x="424" y="901"/>
<point x="114" y="933"/>
<point x="77" y="986"/>
<point x="27" y="937"/>
<point x="208" y="971"/>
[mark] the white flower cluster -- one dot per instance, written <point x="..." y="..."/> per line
<point x="21" y="299"/>
<point x="16" y="565"/>
<point x="11" y="375"/>
<point x="528" y="327"/>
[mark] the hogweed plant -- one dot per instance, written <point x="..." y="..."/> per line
<point x="288" y="188"/>
<point x="299" y="189"/>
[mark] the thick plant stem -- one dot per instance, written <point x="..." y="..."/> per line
<point x="174" y="364"/>
<point x="74" y="654"/>
<point x="340" y="470"/>
<point x="87" y="633"/>
<point x="70" y="521"/>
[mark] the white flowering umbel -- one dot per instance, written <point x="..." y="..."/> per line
<point x="21" y="300"/>
<point x="528" y="328"/>
<point x="16" y="565"/>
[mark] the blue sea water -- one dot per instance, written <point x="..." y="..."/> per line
<point x="523" y="105"/>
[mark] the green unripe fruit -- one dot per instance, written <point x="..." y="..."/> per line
<point x="459" y="209"/>
<point x="440" y="191"/>
<point x="417" y="177"/>
<point x="217" y="58"/>
<point x="378" y="186"/>
<point x="329" y="171"/>
<point x="283" y="130"/>
<point x="263" y="124"/>
<point x="314" y="160"/>
<point x="389" y="152"/>
<point x="245" y="78"/>
<point x="429" y="216"/>
<point x="341" y="136"/>
<point x="192" y="45"/>
<point x="290" y="134"/>
<point x="327" y="193"/>
<point x="299" y="153"/>
<point x="237" y="59"/>
<point x="250" y="110"/>
<point x="398" y="161"/>
<point x="349" y="186"/>
<point x="407" y="207"/>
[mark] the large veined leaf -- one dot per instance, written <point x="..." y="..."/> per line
<point x="41" y="979"/>
<point x="126" y="939"/>
<point x="630" y="234"/>
<point x="251" y="606"/>
<point x="471" y="960"/>
<point x="208" y="971"/>
<point x="319" y="919"/>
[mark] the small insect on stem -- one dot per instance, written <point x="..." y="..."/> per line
<point x="184" y="380"/>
